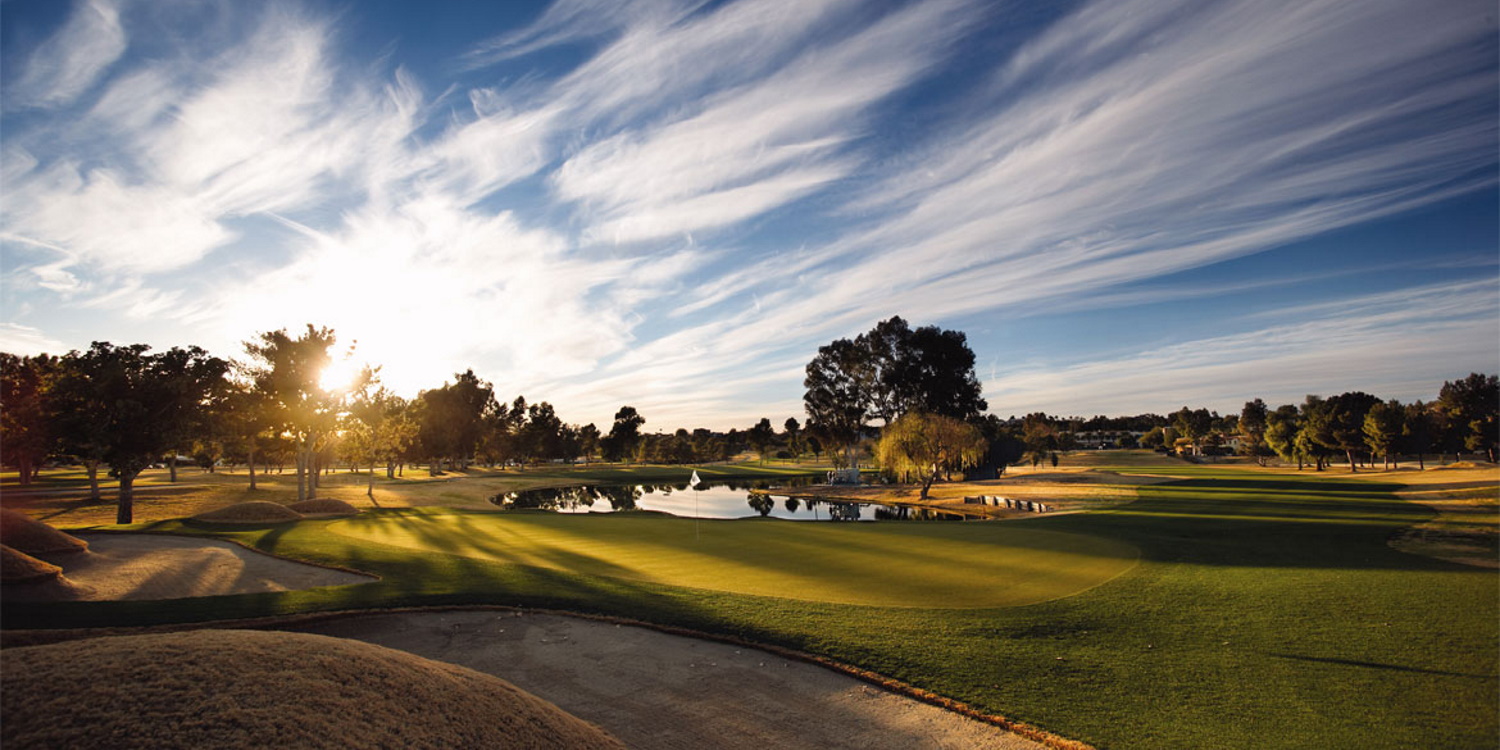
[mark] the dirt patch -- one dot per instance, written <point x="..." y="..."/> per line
<point x="252" y="689"/>
<point x="654" y="690"/>
<point x="156" y="566"/>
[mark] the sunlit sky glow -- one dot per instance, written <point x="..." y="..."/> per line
<point x="1127" y="205"/>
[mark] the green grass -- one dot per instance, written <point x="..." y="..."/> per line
<point x="1265" y="611"/>
<point x="942" y="564"/>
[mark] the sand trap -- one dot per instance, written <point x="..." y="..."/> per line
<point x="156" y="566"/>
<point x="250" y="689"/>
<point x="654" y="690"/>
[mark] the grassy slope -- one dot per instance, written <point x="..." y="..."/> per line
<point x="1267" y="611"/>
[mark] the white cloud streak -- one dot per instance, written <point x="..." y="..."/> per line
<point x="1131" y="140"/>
<point x="70" y="62"/>
<point x="1395" y="345"/>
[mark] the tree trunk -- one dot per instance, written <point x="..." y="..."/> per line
<point x="126" y="511"/>
<point x="301" y="475"/>
<point x="1353" y="467"/>
<point x="250" y="461"/>
<point x="1422" y="461"/>
<point x="927" y="483"/>
<point x="172" y="466"/>
<point x="370" y="488"/>
<point x="93" y="467"/>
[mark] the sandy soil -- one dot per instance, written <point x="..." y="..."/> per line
<point x="155" y="566"/>
<point x="654" y="690"/>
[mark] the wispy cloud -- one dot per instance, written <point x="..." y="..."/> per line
<point x="613" y="231"/>
<point x="28" y="341"/>
<point x="1396" y="345"/>
<point x="74" y="58"/>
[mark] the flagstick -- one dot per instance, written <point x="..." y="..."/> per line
<point x="696" y="520"/>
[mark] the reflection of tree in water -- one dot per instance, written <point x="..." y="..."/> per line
<point x="762" y="503"/>
<point x="549" y="498"/>
<point x="908" y="513"/>
<point x="620" y="497"/>
<point x="792" y="505"/>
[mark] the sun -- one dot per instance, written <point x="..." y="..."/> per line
<point x="339" y="375"/>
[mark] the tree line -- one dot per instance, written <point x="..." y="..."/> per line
<point x="126" y="408"/>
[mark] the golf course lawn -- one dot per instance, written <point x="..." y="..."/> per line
<point x="952" y="565"/>
<point x="1230" y="609"/>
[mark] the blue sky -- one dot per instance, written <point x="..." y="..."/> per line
<point x="1128" y="206"/>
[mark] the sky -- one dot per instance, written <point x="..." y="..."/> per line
<point x="1127" y="206"/>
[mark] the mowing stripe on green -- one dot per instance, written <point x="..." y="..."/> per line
<point x="948" y="565"/>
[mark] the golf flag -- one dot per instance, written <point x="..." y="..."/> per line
<point x="696" y="481"/>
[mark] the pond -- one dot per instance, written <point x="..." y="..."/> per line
<point x="711" y="500"/>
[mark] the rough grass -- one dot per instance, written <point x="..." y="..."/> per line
<point x="324" y="506"/>
<point x="23" y="534"/>
<point x="18" y="567"/>
<point x="254" y="511"/>
<point x="1266" y="611"/>
<point x="248" y="689"/>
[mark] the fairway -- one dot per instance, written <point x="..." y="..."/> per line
<point x="931" y="565"/>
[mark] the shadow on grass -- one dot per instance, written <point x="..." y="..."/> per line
<point x="1378" y="665"/>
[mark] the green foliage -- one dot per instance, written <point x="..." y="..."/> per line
<point x="888" y="372"/>
<point x="928" y="445"/>
<point x="1472" y="406"/>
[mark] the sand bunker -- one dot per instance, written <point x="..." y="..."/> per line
<point x="26" y="534"/>
<point x="654" y="690"/>
<point x="254" y="511"/>
<point x="251" y="689"/>
<point x="156" y="566"/>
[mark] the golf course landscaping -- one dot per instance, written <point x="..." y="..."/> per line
<point x="1229" y="607"/>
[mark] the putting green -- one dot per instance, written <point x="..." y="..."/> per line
<point x="935" y="564"/>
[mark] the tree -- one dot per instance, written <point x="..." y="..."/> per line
<point x="1419" y="431"/>
<point x="624" y="435"/>
<point x="1383" y="428"/>
<point x="1282" y="427"/>
<point x="1472" y="406"/>
<point x="1341" y="425"/>
<point x="887" y="372"/>
<point x="141" y="401"/>
<point x="793" y="436"/>
<point x="840" y="382"/>
<point x="762" y="437"/>
<point x="289" y="377"/>
<point x="1252" y="425"/>
<point x="929" y="444"/>
<point x="454" y="420"/>
<point x="588" y="441"/>
<point x="27" y="431"/>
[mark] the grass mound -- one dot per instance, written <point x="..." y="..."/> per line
<point x="324" y="506"/>
<point x="252" y="689"/>
<point x="254" y="511"/>
<point x="18" y="567"/>
<point x="26" y="534"/>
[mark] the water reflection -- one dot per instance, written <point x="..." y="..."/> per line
<point x="710" y="500"/>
